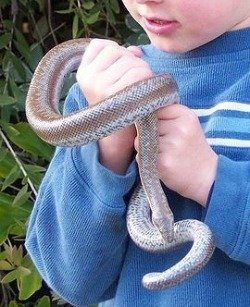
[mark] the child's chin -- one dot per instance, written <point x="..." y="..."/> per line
<point x="170" y="48"/>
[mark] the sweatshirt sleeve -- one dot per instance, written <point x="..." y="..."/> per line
<point x="228" y="211"/>
<point x="77" y="230"/>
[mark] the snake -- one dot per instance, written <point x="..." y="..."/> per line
<point x="150" y="221"/>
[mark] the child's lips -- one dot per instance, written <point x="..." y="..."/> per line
<point x="159" y="26"/>
<point x="158" y="21"/>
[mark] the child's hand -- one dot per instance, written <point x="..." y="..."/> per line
<point x="105" y="69"/>
<point x="186" y="162"/>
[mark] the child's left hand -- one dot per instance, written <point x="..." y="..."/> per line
<point x="186" y="163"/>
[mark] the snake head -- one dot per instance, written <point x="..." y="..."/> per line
<point x="165" y="226"/>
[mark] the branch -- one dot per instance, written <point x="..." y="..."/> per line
<point x="19" y="163"/>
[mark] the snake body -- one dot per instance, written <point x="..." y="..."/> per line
<point x="150" y="221"/>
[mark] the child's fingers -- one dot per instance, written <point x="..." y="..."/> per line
<point x="132" y="75"/>
<point x="108" y="56"/>
<point x="123" y="72"/>
<point x="136" y="143"/>
<point x="107" y="68"/>
<point x="173" y="111"/>
<point x="94" y="48"/>
<point x="105" y="52"/>
<point x="135" y="50"/>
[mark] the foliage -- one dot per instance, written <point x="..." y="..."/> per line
<point x="28" y="29"/>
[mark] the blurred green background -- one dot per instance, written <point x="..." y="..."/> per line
<point x="28" y="29"/>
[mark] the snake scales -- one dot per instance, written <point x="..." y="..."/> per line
<point x="150" y="221"/>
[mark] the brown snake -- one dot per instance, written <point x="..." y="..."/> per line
<point x="150" y="221"/>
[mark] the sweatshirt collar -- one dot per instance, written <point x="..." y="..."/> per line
<point x="229" y="42"/>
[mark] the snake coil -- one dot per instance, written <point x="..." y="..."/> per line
<point x="134" y="104"/>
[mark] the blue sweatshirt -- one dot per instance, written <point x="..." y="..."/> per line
<point x="77" y="234"/>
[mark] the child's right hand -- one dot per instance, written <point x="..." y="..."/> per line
<point x="105" y="69"/>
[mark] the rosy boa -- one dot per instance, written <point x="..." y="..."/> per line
<point x="150" y="221"/>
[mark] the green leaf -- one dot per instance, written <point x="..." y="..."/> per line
<point x="5" y="40"/>
<point x="11" y="63"/>
<point x="142" y="39"/>
<point x="13" y="175"/>
<point x="15" y="89"/>
<point x="19" y="273"/>
<point x="22" y="45"/>
<point x="137" y="39"/>
<point x="10" y="129"/>
<point x="9" y="215"/>
<point x="6" y="162"/>
<point x="44" y="302"/>
<point x="3" y="3"/>
<point x="41" y="29"/>
<point x="5" y="265"/>
<point x="10" y="277"/>
<point x="22" y="272"/>
<point x="6" y="113"/>
<point x="36" y="54"/>
<point x="19" y="228"/>
<point x="6" y="61"/>
<point x="18" y="67"/>
<point x="110" y="14"/>
<point x="27" y="262"/>
<point x="132" y="24"/>
<point x="3" y="255"/>
<point x="15" y="304"/>
<point x="21" y="197"/>
<point x="114" y="4"/>
<point x="35" y="173"/>
<point x="56" y="298"/>
<point x="21" y="39"/>
<point x="17" y="254"/>
<point x="18" y="94"/>
<point x="22" y="50"/>
<point x="29" y="284"/>
<point x="88" y="5"/>
<point x="8" y="251"/>
<point x="25" y="138"/>
<point x="7" y="23"/>
<point x="41" y="4"/>
<point x="6" y="100"/>
<point x="34" y="168"/>
<point x="92" y="18"/>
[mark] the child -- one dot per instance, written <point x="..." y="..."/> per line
<point x="77" y="235"/>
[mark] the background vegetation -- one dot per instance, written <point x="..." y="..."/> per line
<point x="28" y="29"/>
